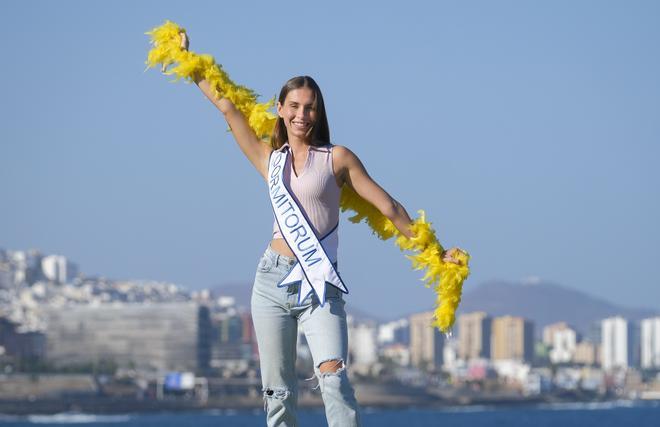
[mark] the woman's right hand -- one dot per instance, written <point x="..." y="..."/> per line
<point x="256" y="151"/>
<point x="223" y="104"/>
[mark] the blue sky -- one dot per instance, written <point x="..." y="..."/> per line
<point x="528" y="131"/>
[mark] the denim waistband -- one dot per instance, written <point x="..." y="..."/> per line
<point x="283" y="259"/>
<point x="278" y="258"/>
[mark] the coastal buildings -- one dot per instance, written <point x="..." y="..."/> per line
<point x="95" y="324"/>
<point x="512" y="339"/>
<point x="426" y="342"/>
<point x="650" y="343"/>
<point x="20" y="267"/>
<point x="615" y="344"/>
<point x="232" y="339"/>
<point x="394" y="332"/>
<point x="549" y="332"/>
<point x="564" y="342"/>
<point x="474" y="335"/>
<point x="586" y="353"/>
<point x="362" y="344"/>
<point x="57" y="268"/>
<point x="19" y="345"/>
<point x="166" y="336"/>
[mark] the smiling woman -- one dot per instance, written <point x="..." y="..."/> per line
<point x="308" y="178"/>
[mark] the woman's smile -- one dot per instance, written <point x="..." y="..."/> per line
<point x="302" y="125"/>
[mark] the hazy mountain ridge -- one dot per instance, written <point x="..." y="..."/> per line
<point x="542" y="302"/>
<point x="546" y="303"/>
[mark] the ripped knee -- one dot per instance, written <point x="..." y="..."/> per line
<point x="279" y="393"/>
<point x="332" y="367"/>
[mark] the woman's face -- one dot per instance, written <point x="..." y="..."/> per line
<point x="298" y="112"/>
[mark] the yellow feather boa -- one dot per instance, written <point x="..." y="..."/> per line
<point x="446" y="278"/>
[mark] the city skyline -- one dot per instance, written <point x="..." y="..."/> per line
<point x="212" y="343"/>
<point x="58" y="269"/>
<point x="527" y="133"/>
<point x="47" y="313"/>
<point x="92" y="302"/>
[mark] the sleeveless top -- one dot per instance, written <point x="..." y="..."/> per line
<point x="314" y="189"/>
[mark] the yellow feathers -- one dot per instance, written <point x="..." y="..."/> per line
<point x="445" y="278"/>
<point x="167" y="51"/>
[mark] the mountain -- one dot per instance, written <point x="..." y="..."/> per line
<point x="542" y="302"/>
<point x="545" y="303"/>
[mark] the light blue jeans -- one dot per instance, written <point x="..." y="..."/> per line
<point x="276" y="316"/>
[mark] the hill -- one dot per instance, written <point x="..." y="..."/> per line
<point x="545" y="303"/>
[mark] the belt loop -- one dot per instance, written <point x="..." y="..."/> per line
<point x="277" y="260"/>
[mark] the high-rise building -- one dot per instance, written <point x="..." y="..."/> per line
<point x="474" y="335"/>
<point x="512" y="339"/>
<point x="163" y="336"/>
<point x="586" y="353"/>
<point x="6" y="279"/>
<point x="58" y="269"/>
<point x="232" y="338"/>
<point x="20" y="346"/>
<point x="426" y="342"/>
<point x="563" y="345"/>
<point x="650" y="343"/>
<point x="450" y="359"/>
<point x="549" y="332"/>
<point x="362" y="344"/>
<point x="397" y="353"/>
<point x="21" y="267"/>
<point x="396" y="331"/>
<point x="618" y="343"/>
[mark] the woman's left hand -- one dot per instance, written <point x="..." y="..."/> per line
<point x="185" y="41"/>
<point x="450" y="255"/>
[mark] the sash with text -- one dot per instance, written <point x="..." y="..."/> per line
<point x="314" y="267"/>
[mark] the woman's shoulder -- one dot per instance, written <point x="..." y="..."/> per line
<point x="340" y="152"/>
<point x="344" y="159"/>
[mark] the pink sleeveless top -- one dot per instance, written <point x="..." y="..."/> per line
<point x="315" y="189"/>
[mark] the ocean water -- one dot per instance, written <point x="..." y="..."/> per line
<point x="606" y="414"/>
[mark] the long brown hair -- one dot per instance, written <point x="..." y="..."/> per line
<point x="320" y="130"/>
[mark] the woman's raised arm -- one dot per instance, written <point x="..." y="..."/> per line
<point x="254" y="149"/>
<point x="352" y="172"/>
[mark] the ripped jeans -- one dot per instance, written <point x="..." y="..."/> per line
<point x="276" y="317"/>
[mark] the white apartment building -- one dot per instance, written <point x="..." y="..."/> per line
<point x="563" y="345"/>
<point x="650" y="343"/>
<point x="615" y="343"/>
<point x="397" y="331"/>
<point x="58" y="269"/>
<point x="362" y="344"/>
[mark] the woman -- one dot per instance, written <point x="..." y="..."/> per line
<point x="314" y="171"/>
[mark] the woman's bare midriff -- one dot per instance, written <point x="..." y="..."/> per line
<point x="280" y="246"/>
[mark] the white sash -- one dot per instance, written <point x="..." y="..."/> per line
<point x="314" y="267"/>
